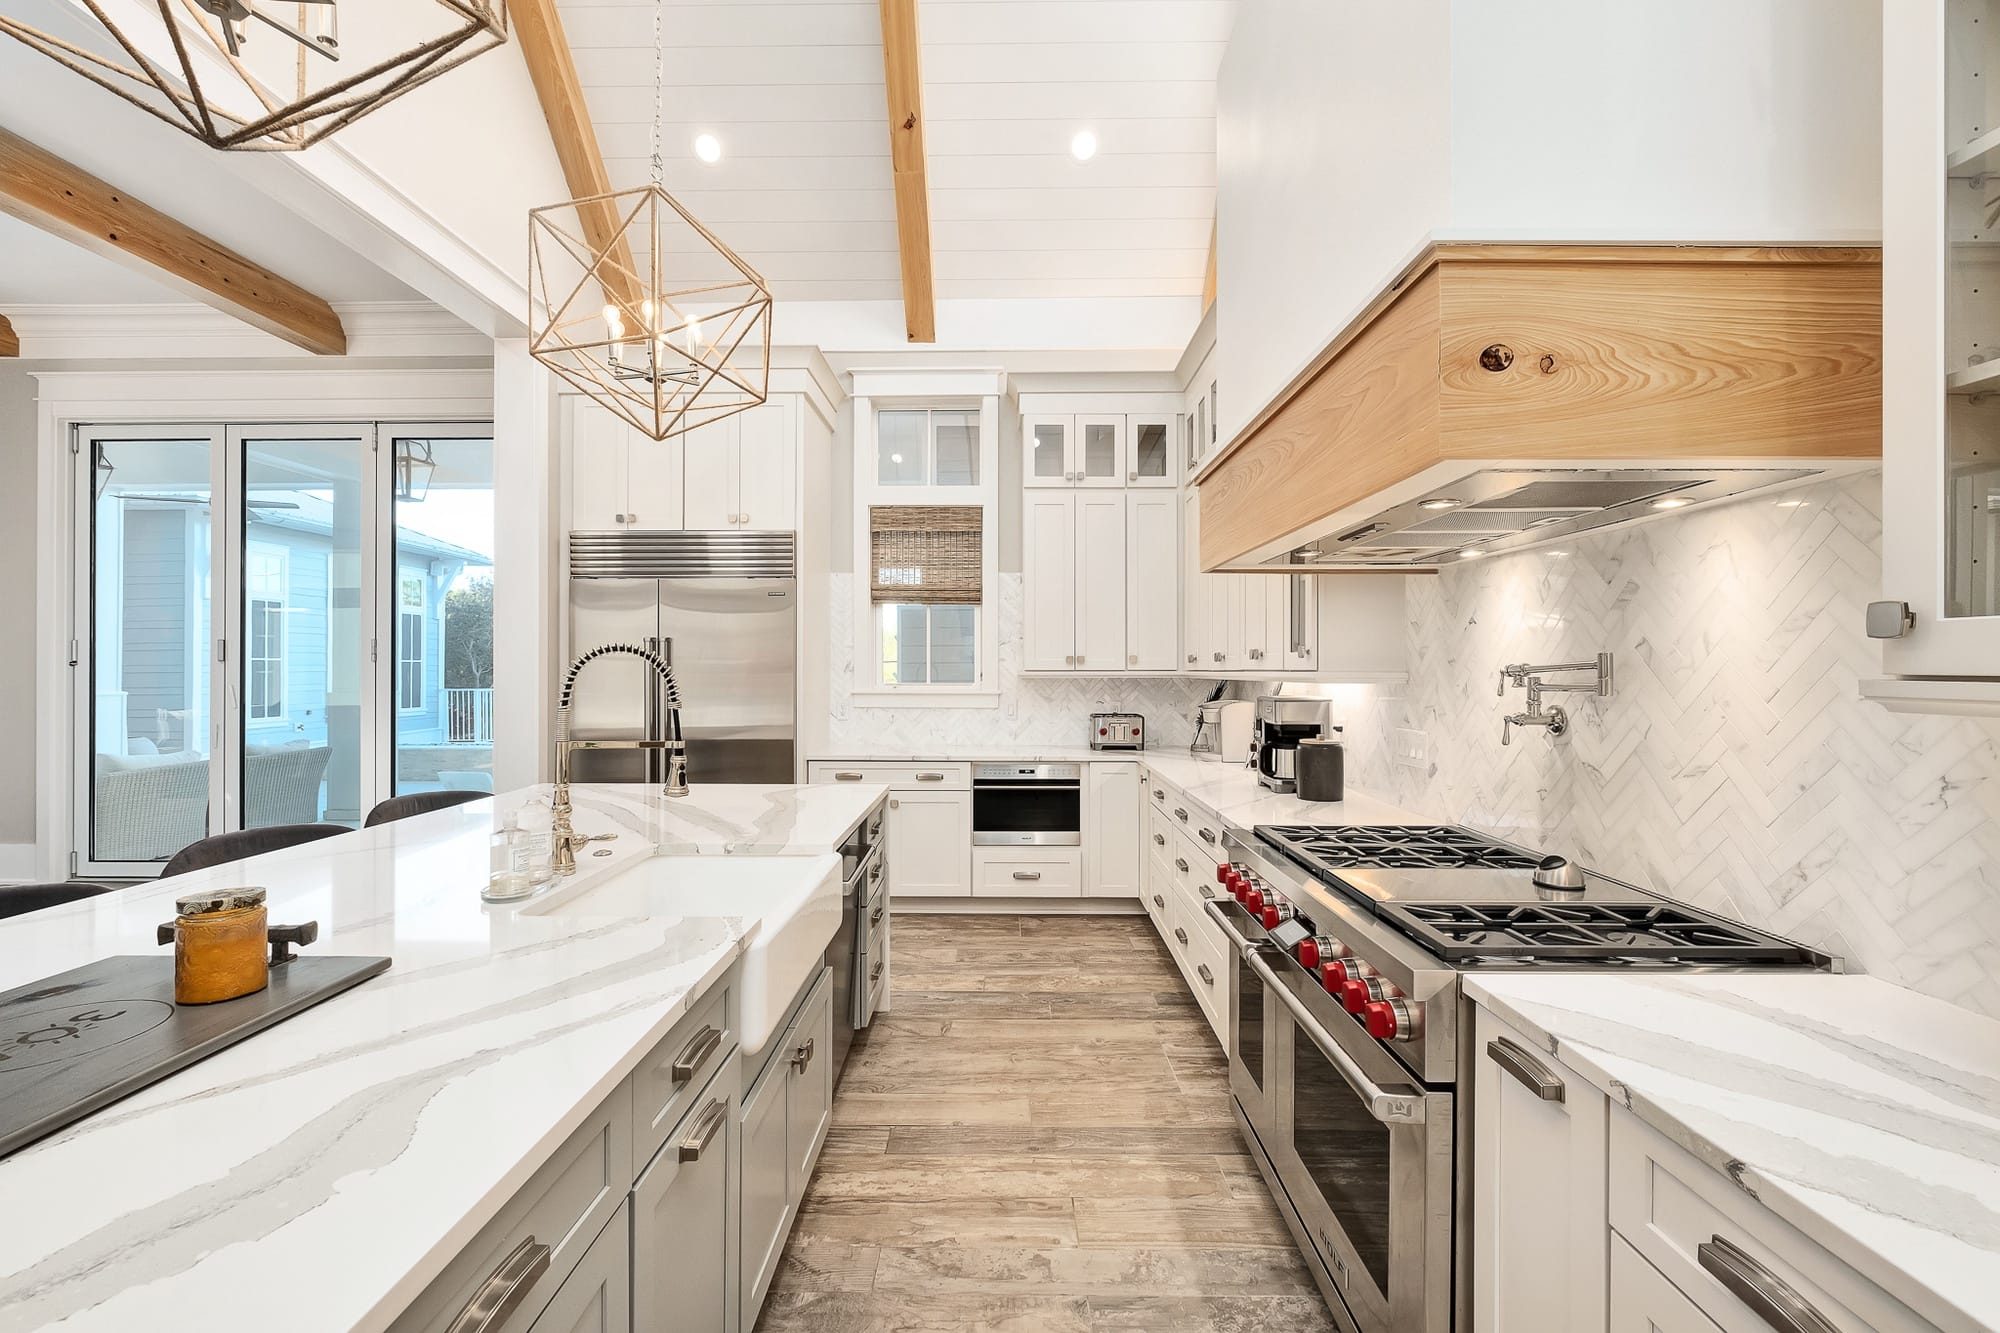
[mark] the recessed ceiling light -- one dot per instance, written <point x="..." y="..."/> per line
<point x="1442" y="502"/>
<point x="1793" y="504"/>
<point x="1084" y="146"/>
<point x="1471" y="554"/>
<point x="708" y="148"/>
<point x="1670" y="503"/>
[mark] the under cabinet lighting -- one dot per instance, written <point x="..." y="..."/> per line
<point x="1084" y="146"/>
<point x="708" y="148"/>
<point x="1471" y="554"/>
<point x="1793" y="504"/>
<point x="1669" y="503"/>
<point x="1442" y="502"/>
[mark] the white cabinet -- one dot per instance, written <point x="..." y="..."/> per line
<point x="1048" y="458"/>
<point x="1100" y="449"/>
<point x="1049" y="580"/>
<point x="1152" y="583"/>
<point x="1112" y="860"/>
<point x="618" y="478"/>
<point x="809" y="1096"/>
<point x="1073" y="576"/>
<point x="684" y="1218"/>
<point x="1642" y="1301"/>
<point x="930" y="844"/>
<point x="1073" y="449"/>
<point x="1941" y="350"/>
<point x="767" y="1207"/>
<point x="1149" y="450"/>
<point x="742" y="471"/>
<point x="1539" y="1225"/>
<point x="784" y="1124"/>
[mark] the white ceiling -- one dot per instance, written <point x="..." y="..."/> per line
<point x="793" y="89"/>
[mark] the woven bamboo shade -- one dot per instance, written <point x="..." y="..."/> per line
<point x="927" y="554"/>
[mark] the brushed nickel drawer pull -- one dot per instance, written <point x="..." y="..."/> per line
<point x="802" y="1058"/>
<point x="1532" y="1073"/>
<point x="930" y="777"/>
<point x="1180" y="864"/>
<point x="1027" y="874"/>
<point x="875" y="972"/>
<point x="1207" y="977"/>
<point x="1180" y="814"/>
<point x="1769" y="1296"/>
<point x="1160" y="839"/>
<point x="501" y="1294"/>
<point x="704" y="1131"/>
<point x="875" y="917"/>
<point x="1159" y="795"/>
<point x="1180" y="935"/>
<point x="1206" y="835"/>
<point x="1159" y="902"/>
<point x="695" y="1054"/>
<point x="848" y="777"/>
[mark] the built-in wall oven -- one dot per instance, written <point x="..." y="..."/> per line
<point x="1358" y="1154"/>
<point x="1027" y="805"/>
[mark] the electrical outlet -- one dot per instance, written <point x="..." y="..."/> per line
<point x="1410" y="748"/>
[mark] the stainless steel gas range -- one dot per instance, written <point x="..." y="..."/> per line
<point x="1349" y="1032"/>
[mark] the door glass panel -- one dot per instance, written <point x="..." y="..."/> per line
<point x="956" y="438"/>
<point x="441" y="601"/>
<point x="151" y="585"/>
<point x="899" y="448"/>
<point x="1345" y="1150"/>
<point x="304" y="524"/>
<point x="1250" y="1024"/>
<point x="1049" y="807"/>
<point x="1972" y="506"/>
<point x="1048" y="449"/>
<point x="1149" y="449"/>
<point x="1100" y="449"/>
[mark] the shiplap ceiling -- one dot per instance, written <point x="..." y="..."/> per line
<point x="793" y="90"/>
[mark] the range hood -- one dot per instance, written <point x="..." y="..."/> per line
<point x="1498" y="397"/>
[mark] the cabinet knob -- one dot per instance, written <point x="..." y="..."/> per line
<point x="1131" y="476"/>
<point x="1191" y="659"/>
<point x="1132" y="660"/>
<point x="1070" y="660"/>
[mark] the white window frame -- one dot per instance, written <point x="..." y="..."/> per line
<point x="896" y="390"/>
<point x="423" y="609"/>
<point x="254" y="551"/>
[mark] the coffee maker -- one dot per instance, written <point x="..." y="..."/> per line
<point x="1282" y="722"/>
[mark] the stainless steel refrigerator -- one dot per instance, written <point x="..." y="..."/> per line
<point x="722" y="609"/>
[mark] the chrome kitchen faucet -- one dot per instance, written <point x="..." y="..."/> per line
<point x="562" y="832"/>
<point x="1555" y="719"/>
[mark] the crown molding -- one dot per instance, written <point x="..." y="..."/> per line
<point x="180" y="332"/>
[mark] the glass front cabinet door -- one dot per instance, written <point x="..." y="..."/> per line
<point x="1941" y="354"/>
<point x="1049" y="443"/>
<point x="1149" y="450"/>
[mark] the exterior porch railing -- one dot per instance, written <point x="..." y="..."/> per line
<point x="468" y="716"/>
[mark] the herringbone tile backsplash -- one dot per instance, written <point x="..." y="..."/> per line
<point x="1736" y="765"/>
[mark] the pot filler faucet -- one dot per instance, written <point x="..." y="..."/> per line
<point x="1530" y="678"/>
<point x="562" y="833"/>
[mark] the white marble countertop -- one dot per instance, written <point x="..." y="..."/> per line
<point x="1866" y="1115"/>
<point x="999" y="754"/>
<point x="324" y="1172"/>
<point x="718" y="820"/>
<point x="1239" y="800"/>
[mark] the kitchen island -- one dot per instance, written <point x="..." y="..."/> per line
<point x="320" y="1175"/>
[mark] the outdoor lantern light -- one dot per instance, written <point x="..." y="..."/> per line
<point x="414" y="466"/>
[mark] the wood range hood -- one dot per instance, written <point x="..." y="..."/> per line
<point x="1494" y="397"/>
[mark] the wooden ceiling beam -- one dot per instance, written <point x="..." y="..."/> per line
<point x="902" y="70"/>
<point x="538" y="31"/>
<point x="47" y="192"/>
<point x="10" y="342"/>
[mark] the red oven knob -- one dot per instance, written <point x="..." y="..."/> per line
<point x="1317" y="950"/>
<point x="1239" y="885"/>
<point x="1392" y="1020"/>
<point x="1350" y="968"/>
<point x="1357" y="995"/>
<point x="1308" y="953"/>
<point x="1276" y="911"/>
<point x="1254" y="900"/>
<point x="1328" y="981"/>
<point x="1226" y="871"/>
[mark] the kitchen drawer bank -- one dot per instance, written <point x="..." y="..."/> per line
<point x="637" y="1220"/>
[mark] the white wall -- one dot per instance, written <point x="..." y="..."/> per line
<point x="18" y="488"/>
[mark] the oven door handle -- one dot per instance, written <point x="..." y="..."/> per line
<point x="1389" y="1107"/>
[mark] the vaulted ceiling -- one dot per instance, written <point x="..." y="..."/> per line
<point x="793" y="91"/>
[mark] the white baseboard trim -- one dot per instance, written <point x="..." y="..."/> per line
<point x="17" y="862"/>
<point x="1015" y="907"/>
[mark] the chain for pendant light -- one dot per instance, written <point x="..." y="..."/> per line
<point x="659" y="79"/>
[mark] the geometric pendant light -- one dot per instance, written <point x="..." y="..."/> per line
<point x="266" y="74"/>
<point x="643" y="308"/>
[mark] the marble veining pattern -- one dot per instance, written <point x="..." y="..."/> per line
<point x="1864" y="1114"/>
<point x="329" y="1168"/>
<point x="1033" y="711"/>
<point x="729" y="820"/>
<point x="1736" y="766"/>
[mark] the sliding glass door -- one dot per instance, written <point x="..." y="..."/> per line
<point x="276" y="625"/>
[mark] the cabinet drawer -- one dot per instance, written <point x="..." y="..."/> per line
<point x="1028" y="873"/>
<point x="563" y="1206"/>
<point x="665" y="1083"/>
<point x="947" y="777"/>
<point x="1696" y="1227"/>
<point x="597" y="1297"/>
<point x="1644" y="1302"/>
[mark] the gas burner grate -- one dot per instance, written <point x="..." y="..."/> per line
<point x="1471" y="934"/>
<point x="1391" y="846"/>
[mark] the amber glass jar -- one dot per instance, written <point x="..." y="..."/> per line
<point x="219" y="946"/>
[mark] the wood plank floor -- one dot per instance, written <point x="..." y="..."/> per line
<point x="1037" y="1139"/>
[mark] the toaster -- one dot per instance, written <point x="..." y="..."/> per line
<point x="1117" y="731"/>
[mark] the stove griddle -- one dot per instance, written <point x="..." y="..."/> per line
<point x="73" y="1044"/>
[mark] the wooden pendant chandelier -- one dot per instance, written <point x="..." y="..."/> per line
<point x="266" y="74"/>
<point x="643" y="308"/>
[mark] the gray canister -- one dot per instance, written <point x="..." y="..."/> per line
<point x="1322" y="770"/>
